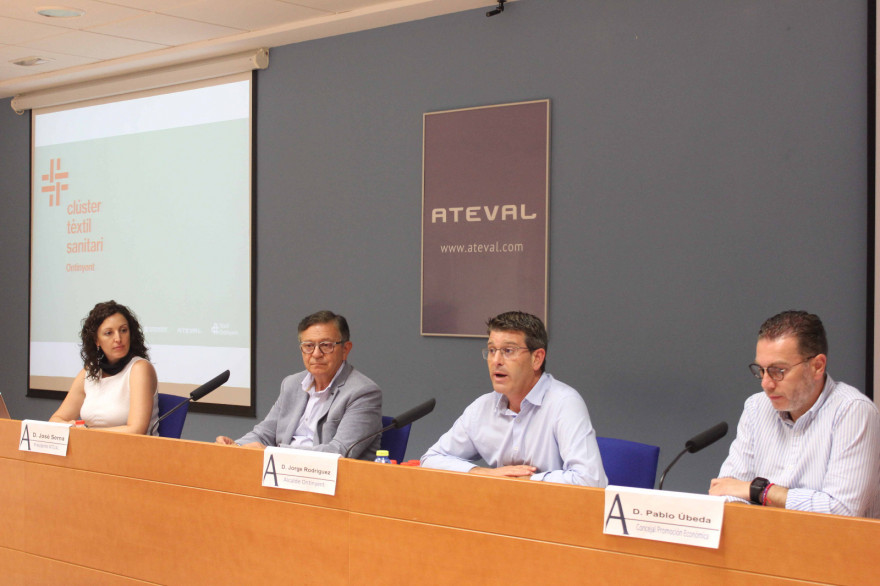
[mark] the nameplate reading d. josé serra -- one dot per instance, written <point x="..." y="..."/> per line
<point x="44" y="437"/>
<point x="300" y="470"/>
<point x="676" y="517"/>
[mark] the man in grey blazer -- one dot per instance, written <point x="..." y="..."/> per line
<point x="327" y="407"/>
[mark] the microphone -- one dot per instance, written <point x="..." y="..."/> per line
<point x="209" y="386"/>
<point x="697" y="443"/>
<point x="413" y="414"/>
<point x="401" y="420"/>
<point x="707" y="438"/>
<point x="197" y="394"/>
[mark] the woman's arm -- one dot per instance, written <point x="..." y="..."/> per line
<point x="68" y="412"/>
<point x="142" y="385"/>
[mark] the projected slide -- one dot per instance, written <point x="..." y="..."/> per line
<point x="147" y="202"/>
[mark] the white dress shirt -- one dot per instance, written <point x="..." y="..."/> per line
<point x="829" y="458"/>
<point x="307" y="429"/>
<point x="552" y="432"/>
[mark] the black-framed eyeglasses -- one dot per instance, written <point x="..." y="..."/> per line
<point x="508" y="352"/>
<point x="326" y="347"/>
<point x="775" y="372"/>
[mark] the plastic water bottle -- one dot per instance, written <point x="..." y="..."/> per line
<point x="382" y="457"/>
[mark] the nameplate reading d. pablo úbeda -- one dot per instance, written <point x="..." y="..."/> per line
<point x="675" y="517"/>
<point x="44" y="437"/>
<point x="300" y="470"/>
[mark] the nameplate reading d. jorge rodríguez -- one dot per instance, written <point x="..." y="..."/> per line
<point x="44" y="437"/>
<point x="676" y="517"/>
<point x="300" y="470"/>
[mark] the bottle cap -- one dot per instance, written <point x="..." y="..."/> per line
<point x="382" y="453"/>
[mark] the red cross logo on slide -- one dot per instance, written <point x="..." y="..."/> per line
<point x="54" y="178"/>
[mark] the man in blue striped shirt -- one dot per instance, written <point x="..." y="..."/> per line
<point x="531" y="426"/>
<point x="807" y="442"/>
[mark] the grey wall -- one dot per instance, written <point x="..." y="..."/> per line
<point x="708" y="169"/>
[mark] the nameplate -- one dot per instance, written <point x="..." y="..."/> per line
<point x="300" y="470"/>
<point x="44" y="437"/>
<point x="674" y="517"/>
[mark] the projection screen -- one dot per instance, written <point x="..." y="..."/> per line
<point x="147" y="201"/>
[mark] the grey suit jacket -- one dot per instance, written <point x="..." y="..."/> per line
<point x="352" y="411"/>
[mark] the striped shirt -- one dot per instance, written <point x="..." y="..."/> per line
<point x="552" y="432"/>
<point x="829" y="458"/>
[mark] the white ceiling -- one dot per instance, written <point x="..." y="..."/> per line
<point x="119" y="36"/>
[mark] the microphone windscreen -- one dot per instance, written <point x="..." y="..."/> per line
<point x="415" y="413"/>
<point x="209" y="386"/>
<point x="707" y="438"/>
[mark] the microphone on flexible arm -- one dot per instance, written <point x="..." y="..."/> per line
<point x="697" y="443"/>
<point x="401" y="420"/>
<point x="195" y="395"/>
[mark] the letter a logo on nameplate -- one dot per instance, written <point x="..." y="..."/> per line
<point x="270" y="465"/>
<point x="622" y="518"/>
<point x="25" y="439"/>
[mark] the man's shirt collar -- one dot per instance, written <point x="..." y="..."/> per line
<point x="308" y="382"/>
<point x="534" y="397"/>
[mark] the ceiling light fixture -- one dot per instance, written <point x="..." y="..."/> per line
<point x="30" y="61"/>
<point x="59" y="11"/>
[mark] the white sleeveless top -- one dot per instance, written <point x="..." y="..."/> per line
<point x="108" y="400"/>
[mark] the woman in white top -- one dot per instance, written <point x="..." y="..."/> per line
<point x="117" y="388"/>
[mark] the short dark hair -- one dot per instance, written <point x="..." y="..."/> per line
<point x="324" y="317"/>
<point x="89" y="333"/>
<point x="806" y="327"/>
<point x="528" y="324"/>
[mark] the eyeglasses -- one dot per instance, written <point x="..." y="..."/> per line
<point x="326" y="347"/>
<point x="775" y="372"/>
<point x="508" y="352"/>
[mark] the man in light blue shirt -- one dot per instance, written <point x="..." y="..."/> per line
<point x="531" y="426"/>
<point x="807" y="442"/>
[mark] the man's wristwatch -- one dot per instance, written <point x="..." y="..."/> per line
<point x="756" y="489"/>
